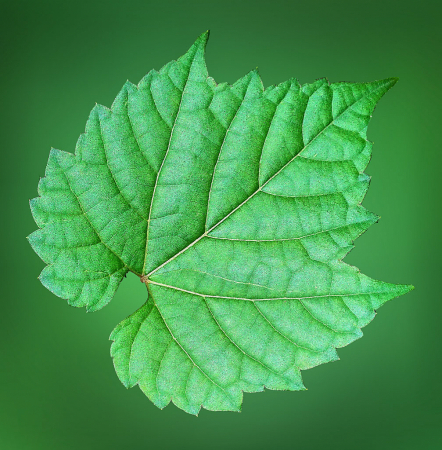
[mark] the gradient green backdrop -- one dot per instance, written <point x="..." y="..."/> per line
<point x="58" y="388"/>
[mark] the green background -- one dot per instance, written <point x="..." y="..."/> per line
<point x="58" y="388"/>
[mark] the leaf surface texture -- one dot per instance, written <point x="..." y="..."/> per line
<point x="235" y="204"/>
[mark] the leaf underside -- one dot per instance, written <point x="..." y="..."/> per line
<point x="235" y="205"/>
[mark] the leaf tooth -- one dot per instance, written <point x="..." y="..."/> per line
<point x="121" y="99"/>
<point x="101" y="111"/>
<point x="147" y="79"/>
<point x="257" y="78"/>
<point x="129" y="86"/>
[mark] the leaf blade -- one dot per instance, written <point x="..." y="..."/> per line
<point x="235" y="205"/>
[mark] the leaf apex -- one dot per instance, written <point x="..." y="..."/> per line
<point x="388" y="83"/>
<point x="203" y="38"/>
<point x="404" y="289"/>
<point x="398" y="290"/>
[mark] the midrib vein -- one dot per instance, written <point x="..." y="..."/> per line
<point x="262" y="299"/>
<point x="162" y="163"/>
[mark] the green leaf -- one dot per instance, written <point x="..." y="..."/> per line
<point x="235" y="205"/>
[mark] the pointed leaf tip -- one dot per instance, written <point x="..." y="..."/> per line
<point x="390" y="82"/>
<point x="404" y="288"/>
<point x="203" y="38"/>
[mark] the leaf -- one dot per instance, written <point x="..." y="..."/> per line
<point x="235" y="205"/>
